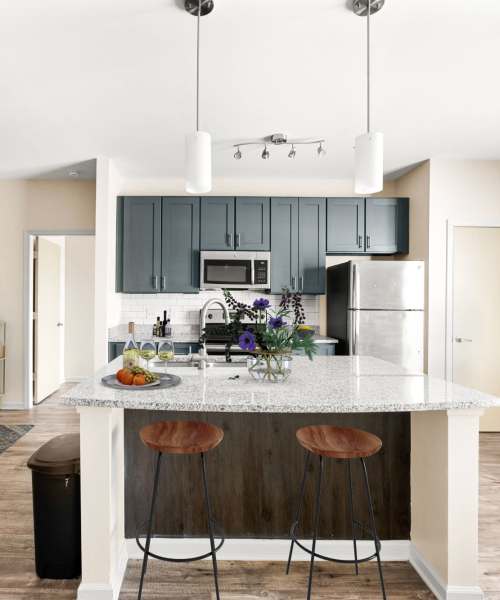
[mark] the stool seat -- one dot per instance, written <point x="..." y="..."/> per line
<point x="338" y="442"/>
<point x="181" y="437"/>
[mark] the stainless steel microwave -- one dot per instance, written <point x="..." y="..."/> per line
<point x="235" y="270"/>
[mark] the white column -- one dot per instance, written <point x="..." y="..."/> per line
<point x="104" y="556"/>
<point x="445" y="502"/>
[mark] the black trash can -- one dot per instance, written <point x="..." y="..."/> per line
<point x="56" y="508"/>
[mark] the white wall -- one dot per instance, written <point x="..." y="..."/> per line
<point x="28" y="206"/>
<point x="79" y="307"/>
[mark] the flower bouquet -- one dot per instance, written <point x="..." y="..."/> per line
<point x="269" y="335"/>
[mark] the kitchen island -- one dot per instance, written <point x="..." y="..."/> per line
<point x="430" y="463"/>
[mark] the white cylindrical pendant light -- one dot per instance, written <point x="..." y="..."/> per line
<point x="198" y="163"/>
<point x="368" y="147"/>
<point x="369" y="163"/>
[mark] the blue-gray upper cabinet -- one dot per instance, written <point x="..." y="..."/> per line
<point x="345" y="225"/>
<point x="387" y="225"/>
<point x="138" y="244"/>
<point x="252" y="224"/>
<point x="217" y="223"/>
<point x="284" y="244"/>
<point x="312" y="245"/>
<point x="235" y="223"/>
<point x="180" y="254"/>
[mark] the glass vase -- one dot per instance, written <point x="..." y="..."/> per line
<point x="270" y="366"/>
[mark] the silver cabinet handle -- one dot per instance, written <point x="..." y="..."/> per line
<point x="368" y="241"/>
<point x="301" y="283"/>
<point x="360" y="241"/>
<point x="294" y="281"/>
<point x="164" y="282"/>
<point x="229" y="240"/>
<point x="156" y="280"/>
<point x="238" y="237"/>
<point x="461" y="340"/>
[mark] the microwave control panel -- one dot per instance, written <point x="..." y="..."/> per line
<point x="260" y="271"/>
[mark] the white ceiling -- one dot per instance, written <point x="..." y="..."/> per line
<point x="87" y="78"/>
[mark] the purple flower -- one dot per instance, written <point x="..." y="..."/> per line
<point x="276" y="322"/>
<point x="261" y="303"/>
<point x="247" y="341"/>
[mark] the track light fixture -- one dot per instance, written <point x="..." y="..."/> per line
<point x="280" y="139"/>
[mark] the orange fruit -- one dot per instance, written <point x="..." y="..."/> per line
<point x="125" y="376"/>
<point x="139" y="380"/>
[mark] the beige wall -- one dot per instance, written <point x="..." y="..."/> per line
<point x="24" y="206"/>
<point x="416" y="186"/>
<point x="462" y="192"/>
<point x="79" y="307"/>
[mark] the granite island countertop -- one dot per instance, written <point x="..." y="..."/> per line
<point x="328" y="384"/>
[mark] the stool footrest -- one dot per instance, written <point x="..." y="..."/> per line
<point x="180" y="560"/>
<point x="331" y="558"/>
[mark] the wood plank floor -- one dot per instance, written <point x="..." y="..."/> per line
<point x="239" y="581"/>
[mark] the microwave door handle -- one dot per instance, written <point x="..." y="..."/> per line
<point x="252" y="272"/>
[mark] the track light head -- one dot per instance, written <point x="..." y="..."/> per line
<point x="292" y="152"/>
<point x="265" y="153"/>
<point x="321" y="151"/>
<point x="237" y="154"/>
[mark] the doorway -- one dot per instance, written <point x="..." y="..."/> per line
<point x="476" y="315"/>
<point x="61" y="312"/>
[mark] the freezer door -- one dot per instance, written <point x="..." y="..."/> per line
<point x="396" y="336"/>
<point x="387" y="285"/>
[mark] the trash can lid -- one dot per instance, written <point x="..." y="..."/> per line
<point x="60" y="456"/>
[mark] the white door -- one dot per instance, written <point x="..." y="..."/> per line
<point x="48" y="338"/>
<point x="476" y="313"/>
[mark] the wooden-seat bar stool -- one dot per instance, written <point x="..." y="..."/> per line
<point x="180" y="437"/>
<point x="327" y="441"/>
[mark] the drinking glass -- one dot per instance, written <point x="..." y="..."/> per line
<point x="147" y="351"/>
<point x="166" y="351"/>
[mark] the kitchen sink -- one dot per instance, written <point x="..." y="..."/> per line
<point x="209" y="364"/>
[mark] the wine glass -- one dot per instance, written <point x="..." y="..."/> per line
<point x="147" y="351"/>
<point x="166" y="351"/>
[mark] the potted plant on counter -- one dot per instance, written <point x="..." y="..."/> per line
<point x="269" y="335"/>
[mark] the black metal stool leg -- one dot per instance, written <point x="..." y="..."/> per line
<point x="374" y="530"/>
<point x="150" y="524"/>
<point x="316" y="525"/>
<point x="210" y="525"/>
<point x="298" y="513"/>
<point x="353" y="524"/>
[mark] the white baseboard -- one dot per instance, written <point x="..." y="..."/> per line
<point x="11" y="406"/>
<point x="94" y="591"/>
<point x="272" y="550"/>
<point x="436" y="584"/>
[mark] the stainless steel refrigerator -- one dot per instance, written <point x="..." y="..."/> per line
<point x="376" y="308"/>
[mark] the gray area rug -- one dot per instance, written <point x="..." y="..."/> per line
<point x="9" y="434"/>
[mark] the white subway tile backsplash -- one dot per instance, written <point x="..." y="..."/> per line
<point x="184" y="309"/>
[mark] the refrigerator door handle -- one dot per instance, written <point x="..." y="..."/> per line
<point x="354" y="292"/>
<point x="354" y="334"/>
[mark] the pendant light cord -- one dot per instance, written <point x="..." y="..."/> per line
<point x="198" y="67"/>
<point x="368" y="66"/>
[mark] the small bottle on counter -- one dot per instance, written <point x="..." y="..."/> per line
<point x="130" y="350"/>
<point x="168" y="329"/>
<point x="157" y="327"/>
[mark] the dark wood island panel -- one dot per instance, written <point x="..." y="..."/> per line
<point x="254" y="476"/>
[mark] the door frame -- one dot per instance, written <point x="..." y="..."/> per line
<point x="450" y="252"/>
<point x="28" y="302"/>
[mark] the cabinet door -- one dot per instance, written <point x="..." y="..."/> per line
<point x="180" y="255"/>
<point x="345" y="231"/>
<point x="312" y="245"/>
<point x="386" y="225"/>
<point x="217" y="223"/>
<point x="115" y="349"/>
<point x="252" y="230"/>
<point x="139" y="246"/>
<point x="284" y="244"/>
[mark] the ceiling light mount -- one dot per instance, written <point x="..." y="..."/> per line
<point x="191" y="7"/>
<point x="360" y="7"/>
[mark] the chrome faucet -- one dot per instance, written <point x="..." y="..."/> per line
<point x="203" y="319"/>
